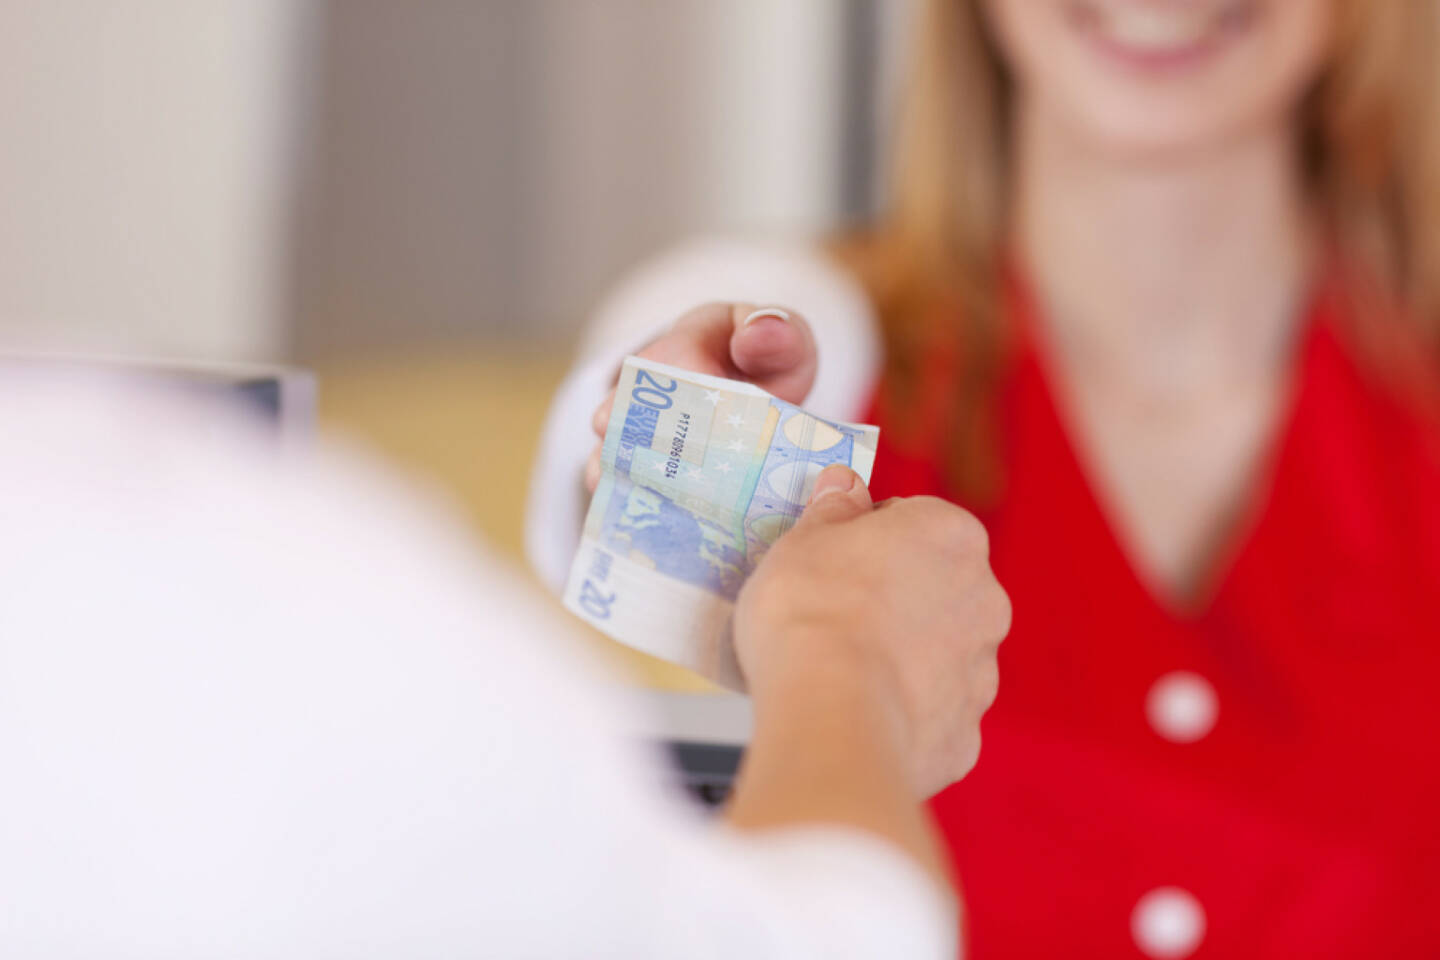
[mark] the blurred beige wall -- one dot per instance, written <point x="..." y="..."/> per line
<point x="311" y="178"/>
<point x="485" y="169"/>
<point x="145" y="164"/>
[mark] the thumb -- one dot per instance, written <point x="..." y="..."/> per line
<point x="839" y="495"/>
<point x="775" y="349"/>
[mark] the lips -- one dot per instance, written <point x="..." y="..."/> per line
<point x="1157" y="33"/>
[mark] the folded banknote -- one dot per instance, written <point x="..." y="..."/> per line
<point x="699" y="476"/>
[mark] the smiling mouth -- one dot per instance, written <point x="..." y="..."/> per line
<point x="1153" y="35"/>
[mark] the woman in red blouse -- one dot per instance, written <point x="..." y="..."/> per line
<point x="1160" y="294"/>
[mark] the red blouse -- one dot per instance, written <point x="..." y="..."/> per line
<point x="1257" y="779"/>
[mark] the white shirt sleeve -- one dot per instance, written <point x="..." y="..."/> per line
<point x="653" y="297"/>
<point x="263" y="707"/>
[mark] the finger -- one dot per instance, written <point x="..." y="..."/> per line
<point x="986" y="684"/>
<point x="1004" y="613"/>
<point x="600" y="422"/>
<point x="773" y="348"/>
<point x="699" y="341"/>
<point x="838" y="496"/>
<point x="592" y="470"/>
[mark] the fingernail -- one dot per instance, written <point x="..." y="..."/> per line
<point x="833" y="479"/>
<point x="768" y="312"/>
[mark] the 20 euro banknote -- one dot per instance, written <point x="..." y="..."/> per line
<point x="700" y="475"/>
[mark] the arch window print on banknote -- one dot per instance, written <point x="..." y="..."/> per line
<point x="699" y="476"/>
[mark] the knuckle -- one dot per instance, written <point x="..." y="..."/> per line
<point x="970" y="532"/>
<point x="707" y="310"/>
<point x="965" y="754"/>
<point x="923" y="512"/>
<point x="701" y="317"/>
<point x="1004" y="610"/>
<point x="957" y="530"/>
<point x="599" y="419"/>
<point x="988" y="682"/>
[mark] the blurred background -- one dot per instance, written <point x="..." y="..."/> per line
<point x="420" y="200"/>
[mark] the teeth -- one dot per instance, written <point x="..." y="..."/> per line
<point x="1151" y="29"/>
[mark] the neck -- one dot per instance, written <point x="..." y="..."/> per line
<point x="1185" y="271"/>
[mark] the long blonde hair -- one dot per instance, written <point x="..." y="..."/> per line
<point x="934" y="263"/>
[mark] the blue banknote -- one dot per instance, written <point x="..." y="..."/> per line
<point x="700" y="475"/>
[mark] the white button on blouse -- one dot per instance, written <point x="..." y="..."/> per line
<point x="1182" y="706"/>
<point x="1167" y="923"/>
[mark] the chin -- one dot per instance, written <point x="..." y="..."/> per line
<point x="1170" y="130"/>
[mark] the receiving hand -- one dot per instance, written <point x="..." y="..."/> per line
<point x="901" y="592"/>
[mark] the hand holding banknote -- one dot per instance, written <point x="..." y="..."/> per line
<point x="704" y="535"/>
<point x="900" y="595"/>
<point x="770" y="347"/>
<point x="699" y="477"/>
